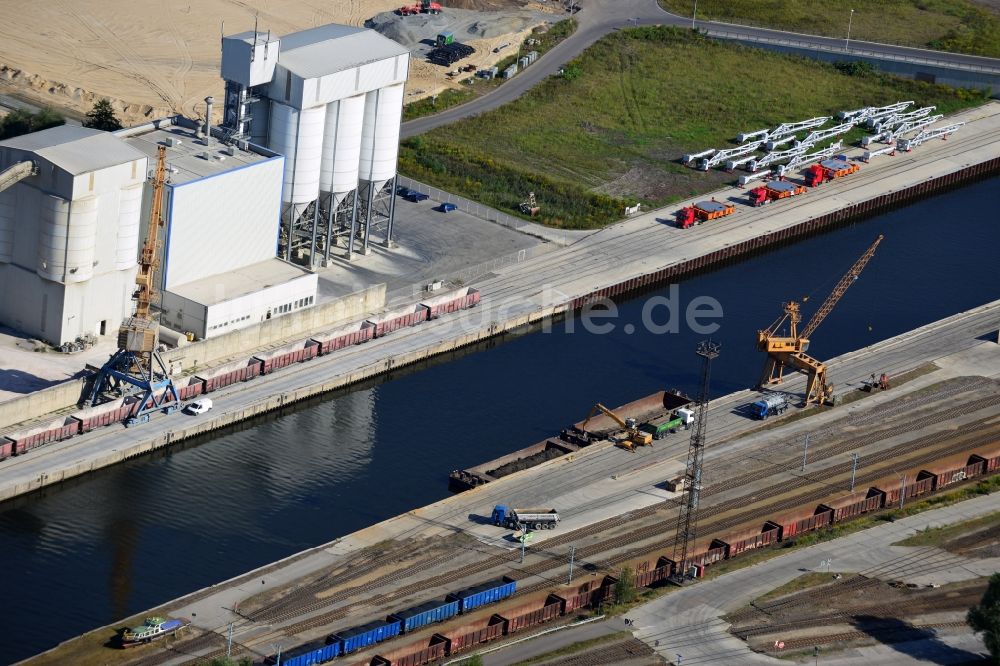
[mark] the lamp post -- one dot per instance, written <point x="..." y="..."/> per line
<point x="694" y="13"/>
<point x="850" y="21"/>
<point x="854" y="470"/>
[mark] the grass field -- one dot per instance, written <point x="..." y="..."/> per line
<point x="610" y="131"/>
<point x="961" y="26"/>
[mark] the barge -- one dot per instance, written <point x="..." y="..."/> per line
<point x="649" y="410"/>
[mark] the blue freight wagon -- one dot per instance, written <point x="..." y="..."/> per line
<point x="480" y="595"/>
<point x="306" y="655"/>
<point x="424" y="614"/>
<point x="365" y="635"/>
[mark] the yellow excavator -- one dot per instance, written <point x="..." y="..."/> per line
<point x="633" y="436"/>
<point x="789" y="350"/>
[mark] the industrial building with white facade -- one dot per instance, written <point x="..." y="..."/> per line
<point x="70" y="213"/>
<point x="302" y="169"/>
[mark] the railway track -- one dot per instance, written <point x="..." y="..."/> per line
<point x="719" y="526"/>
<point x="300" y="603"/>
<point x="894" y="634"/>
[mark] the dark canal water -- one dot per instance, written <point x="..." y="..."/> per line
<point x="134" y="536"/>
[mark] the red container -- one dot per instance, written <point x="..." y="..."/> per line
<point x="437" y="649"/>
<point x="470" y="640"/>
<point x="6" y="448"/>
<point x="530" y="619"/>
<point x="958" y="475"/>
<point x="575" y="601"/>
<point x="195" y="387"/>
<point x="243" y="374"/>
<point x="466" y="298"/>
<point x="396" y="320"/>
<point x="363" y="333"/>
<point x="651" y="577"/>
<point x="921" y="487"/>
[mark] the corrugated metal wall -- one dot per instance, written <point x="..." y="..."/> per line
<point x="223" y="222"/>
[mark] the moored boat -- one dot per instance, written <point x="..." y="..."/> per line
<point x="150" y="630"/>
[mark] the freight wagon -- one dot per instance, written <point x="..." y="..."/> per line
<point x="306" y="655"/>
<point x="395" y="319"/>
<point x="424" y="614"/>
<point x="351" y="640"/>
<point x="284" y="357"/>
<point x="242" y="371"/>
<point x="354" y="334"/>
<point x="449" y="643"/>
<point x="453" y="301"/>
<point x="480" y="595"/>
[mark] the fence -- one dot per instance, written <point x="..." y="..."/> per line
<point x="466" y="205"/>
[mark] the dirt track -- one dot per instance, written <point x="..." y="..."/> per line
<point x="153" y="59"/>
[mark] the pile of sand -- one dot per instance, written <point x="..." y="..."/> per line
<point x="153" y="59"/>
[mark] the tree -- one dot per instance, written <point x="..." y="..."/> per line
<point x="102" y="116"/>
<point x="625" y="587"/>
<point x="985" y="617"/>
<point x="21" y="122"/>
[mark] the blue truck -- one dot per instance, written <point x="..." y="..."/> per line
<point x="769" y="405"/>
<point x="529" y="519"/>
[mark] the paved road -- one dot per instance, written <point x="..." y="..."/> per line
<point x="688" y="622"/>
<point x="600" y="17"/>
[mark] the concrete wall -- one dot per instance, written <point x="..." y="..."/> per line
<point x="273" y="331"/>
<point x="39" y="403"/>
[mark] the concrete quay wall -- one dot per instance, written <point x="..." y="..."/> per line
<point x="908" y="186"/>
<point x="204" y="353"/>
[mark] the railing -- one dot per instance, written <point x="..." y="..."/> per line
<point x="467" y="275"/>
<point x="852" y="50"/>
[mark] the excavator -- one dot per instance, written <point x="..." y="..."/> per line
<point x="789" y="350"/>
<point x="633" y="436"/>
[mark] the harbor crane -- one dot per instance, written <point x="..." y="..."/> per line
<point x="136" y="369"/>
<point x="633" y="436"/>
<point x="789" y="350"/>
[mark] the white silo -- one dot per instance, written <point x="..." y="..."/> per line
<point x="342" y="148"/>
<point x="7" y="207"/>
<point x="68" y="239"/>
<point x="356" y="75"/>
<point x="129" y="221"/>
<point x="298" y="135"/>
<point x="380" y="135"/>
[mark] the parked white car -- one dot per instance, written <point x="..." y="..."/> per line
<point x="199" y="406"/>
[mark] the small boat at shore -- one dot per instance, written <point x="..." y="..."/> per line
<point x="150" y="630"/>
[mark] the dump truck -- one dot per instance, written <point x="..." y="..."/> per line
<point x="830" y="169"/>
<point x="681" y="418"/>
<point x="424" y="6"/>
<point x="702" y="211"/>
<point x="774" y="190"/>
<point x="769" y="405"/>
<point x="530" y="519"/>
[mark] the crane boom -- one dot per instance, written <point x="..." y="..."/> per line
<point x="147" y="259"/>
<point x="838" y="291"/>
<point x="601" y="408"/>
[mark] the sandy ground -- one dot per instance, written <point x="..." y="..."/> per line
<point x="156" y="58"/>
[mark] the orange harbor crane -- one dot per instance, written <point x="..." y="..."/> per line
<point x="789" y="350"/>
<point x="136" y="369"/>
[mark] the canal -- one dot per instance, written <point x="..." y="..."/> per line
<point x="131" y="537"/>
